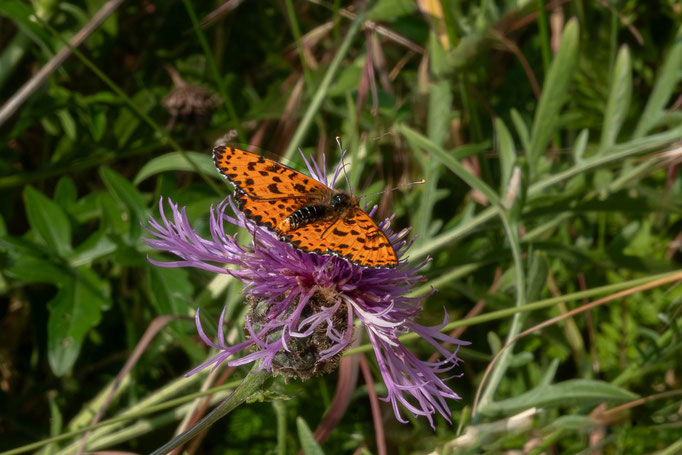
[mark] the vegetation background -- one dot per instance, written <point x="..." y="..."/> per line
<point x="548" y="134"/>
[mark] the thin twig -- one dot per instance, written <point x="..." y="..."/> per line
<point x="33" y="84"/>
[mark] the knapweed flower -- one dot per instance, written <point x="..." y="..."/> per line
<point x="302" y="306"/>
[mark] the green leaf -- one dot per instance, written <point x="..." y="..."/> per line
<point x="438" y="58"/>
<point x="308" y="443"/>
<point x="666" y="82"/>
<point x="68" y="123"/>
<point x="33" y="269"/>
<point x="73" y="312"/>
<point x="521" y="129"/>
<point x="416" y="140"/>
<point x="21" y="14"/>
<point x="507" y="151"/>
<point x="127" y="122"/>
<point x="93" y="248"/>
<point x="440" y="98"/>
<point x="619" y="100"/>
<point x="580" y="146"/>
<point x="65" y="193"/>
<point x="126" y="194"/>
<point x="554" y="94"/>
<point x="438" y="120"/>
<point x="574" y="392"/>
<point x="537" y="276"/>
<point x="48" y="220"/>
<point x="170" y="290"/>
<point x="98" y="122"/>
<point x="386" y="10"/>
<point x="175" y="161"/>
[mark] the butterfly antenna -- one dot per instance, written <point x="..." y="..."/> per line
<point x="343" y="164"/>
<point x="418" y="182"/>
<point x="382" y="135"/>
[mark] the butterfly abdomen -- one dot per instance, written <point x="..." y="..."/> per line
<point x="305" y="215"/>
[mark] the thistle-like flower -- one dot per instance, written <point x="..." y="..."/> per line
<point x="303" y="306"/>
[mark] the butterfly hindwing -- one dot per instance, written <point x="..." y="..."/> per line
<point x="367" y="243"/>
<point x="355" y="237"/>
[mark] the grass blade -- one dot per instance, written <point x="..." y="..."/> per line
<point x="554" y="94"/>
<point x="619" y="100"/>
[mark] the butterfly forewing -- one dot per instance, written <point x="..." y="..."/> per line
<point x="262" y="178"/>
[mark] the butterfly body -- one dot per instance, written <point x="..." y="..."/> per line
<point x="327" y="205"/>
<point x="302" y="211"/>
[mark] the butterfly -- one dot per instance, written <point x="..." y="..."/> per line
<point x="303" y="212"/>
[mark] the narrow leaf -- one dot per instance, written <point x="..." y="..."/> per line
<point x="580" y="146"/>
<point x="574" y="392"/>
<point x="507" y="151"/>
<point x="663" y="88"/>
<point x="175" y="161"/>
<point x="554" y="93"/>
<point x="521" y="129"/>
<point x="619" y="100"/>
<point x="308" y="443"/>
<point x="417" y="140"/>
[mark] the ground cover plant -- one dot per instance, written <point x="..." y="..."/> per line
<point x="547" y="231"/>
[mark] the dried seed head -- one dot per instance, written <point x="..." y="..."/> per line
<point x="302" y="360"/>
<point x="191" y="103"/>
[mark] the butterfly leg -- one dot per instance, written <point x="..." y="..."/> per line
<point x="331" y="225"/>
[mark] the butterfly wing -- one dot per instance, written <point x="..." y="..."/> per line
<point x="355" y="237"/>
<point x="268" y="212"/>
<point x="268" y="192"/>
<point x="262" y="178"/>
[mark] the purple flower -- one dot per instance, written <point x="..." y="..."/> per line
<point x="303" y="306"/>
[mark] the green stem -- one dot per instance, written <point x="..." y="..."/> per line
<point x="539" y="305"/>
<point x="250" y="385"/>
<point x="544" y="35"/>
<point x="281" y="416"/>
<point x="220" y="82"/>
<point x="501" y="366"/>
<point x="299" y="43"/>
<point x="322" y="90"/>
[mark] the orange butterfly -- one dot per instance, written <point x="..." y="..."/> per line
<point x="303" y="212"/>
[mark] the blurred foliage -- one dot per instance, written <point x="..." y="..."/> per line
<point x="539" y="127"/>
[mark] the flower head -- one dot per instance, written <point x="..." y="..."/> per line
<point x="302" y="306"/>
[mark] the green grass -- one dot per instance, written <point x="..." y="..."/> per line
<point x="534" y="207"/>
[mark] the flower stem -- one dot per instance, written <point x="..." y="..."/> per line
<point x="251" y="383"/>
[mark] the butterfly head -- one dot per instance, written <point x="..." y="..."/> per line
<point x="341" y="200"/>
